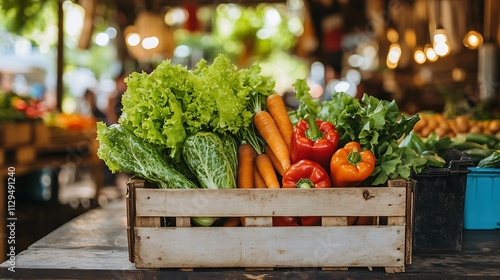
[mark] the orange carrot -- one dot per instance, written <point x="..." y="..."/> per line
<point x="266" y="170"/>
<point x="258" y="181"/>
<point x="232" y="222"/>
<point x="274" y="160"/>
<point x="246" y="156"/>
<point x="269" y="131"/>
<point x="276" y="107"/>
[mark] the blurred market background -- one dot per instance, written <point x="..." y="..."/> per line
<point x="62" y="65"/>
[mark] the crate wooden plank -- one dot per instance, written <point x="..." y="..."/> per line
<point x="2" y="156"/>
<point x="339" y="246"/>
<point x="14" y="134"/>
<point x="382" y="201"/>
<point x="41" y="134"/>
<point x="20" y="154"/>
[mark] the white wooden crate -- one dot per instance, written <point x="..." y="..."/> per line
<point x="259" y="245"/>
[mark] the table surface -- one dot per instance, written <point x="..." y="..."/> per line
<point x="94" y="246"/>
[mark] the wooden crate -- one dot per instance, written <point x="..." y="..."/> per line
<point x="18" y="155"/>
<point x="41" y="133"/>
<point x="334" y="245"/>
<point x="13" y="134"/>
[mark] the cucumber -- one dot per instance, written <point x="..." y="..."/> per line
<point x="433" y="160"/>
<point x="491" y="161"/>
<point x="478" y="154"/>
<point x="468" y="145"/>
<point x="482" y="139"/>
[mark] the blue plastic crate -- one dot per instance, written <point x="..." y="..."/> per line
<point x="482" y="199"/>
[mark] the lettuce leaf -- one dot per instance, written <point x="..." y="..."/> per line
<point x="172" y="102"/>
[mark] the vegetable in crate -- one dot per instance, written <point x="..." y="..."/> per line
<point x="376" y="124"/>
<point x="306" y="174"/>
<point x="246" y="164"/>
<point x="276" y="107"/>
<point x="350" y="165"/>
<point x="286" y="221"/>
<point x="123" y="151"/>
<point x="231" y="149"/>
<point x="266" y="126"/>
<point x="315" y="140"/>
<point x="172" y="102"/>
<point x="206" y="157"/>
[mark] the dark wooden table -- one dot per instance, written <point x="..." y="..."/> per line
<point x="94" y="246"/>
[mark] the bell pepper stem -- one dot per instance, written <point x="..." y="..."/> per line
<point x="354" y="157"/>
<point x="313" y="133"/>
<point x="304" y="184"/>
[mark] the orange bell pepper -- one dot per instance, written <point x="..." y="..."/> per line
<point x="350" y="165"/>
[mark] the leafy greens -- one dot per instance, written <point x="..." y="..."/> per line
<point x="122" y="150"/>
<point x="172" y="102"/>
<point x="376" y="124"/>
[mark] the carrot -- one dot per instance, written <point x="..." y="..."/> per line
<point x="266" y="170"/>
<point x="242" y="221"/>
<point x="274" y="160"/>
<point x="232" y="222"/>
<point x="246" y="156"/>
<point x="276" y="107"/>
<point x="269" y="131"/>
<point x="258" y="181"/>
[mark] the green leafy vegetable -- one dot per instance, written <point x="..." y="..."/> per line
<point x="204" y="153"/>
<point x="211" y="159"/>
<point x="123" y="151"/>
<point x="231" y="150"/>
<point x="171" y="103"/>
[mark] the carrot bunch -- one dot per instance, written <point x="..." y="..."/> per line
<point x="259" y="170"/>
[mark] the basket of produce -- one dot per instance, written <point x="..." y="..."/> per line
<point x="459" y="189"/>
<point x="227" y="175"/>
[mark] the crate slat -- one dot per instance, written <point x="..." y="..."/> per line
<point x="381" y="201"/>
<point x="339" y="246"/>
<point x="15" y="134"/>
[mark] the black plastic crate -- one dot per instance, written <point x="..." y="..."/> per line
<point x="439" y="205"/>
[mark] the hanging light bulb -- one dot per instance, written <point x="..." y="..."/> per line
<point x="419" y="55"/>
<point x="394" y="53"/>
<point x="439" y="36"/>
<point x="430" y="53"/>
<point x="473" y="40"/>
<point x="440" y="42"/>
<point x="442" y="49"/>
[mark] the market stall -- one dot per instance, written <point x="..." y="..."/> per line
<point x="307" y="139"/>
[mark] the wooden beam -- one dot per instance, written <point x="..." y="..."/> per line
<point x="60" y="55"/>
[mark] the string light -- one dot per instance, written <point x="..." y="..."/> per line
<point x="430" y="53"/>
<point x="473" y="40"/>
<point x="419" y="56"/>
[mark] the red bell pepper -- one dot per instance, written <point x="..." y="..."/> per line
<point x="315" y="140"/>
<point x="306" y="174"/>
<point x="285" y="221"/>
